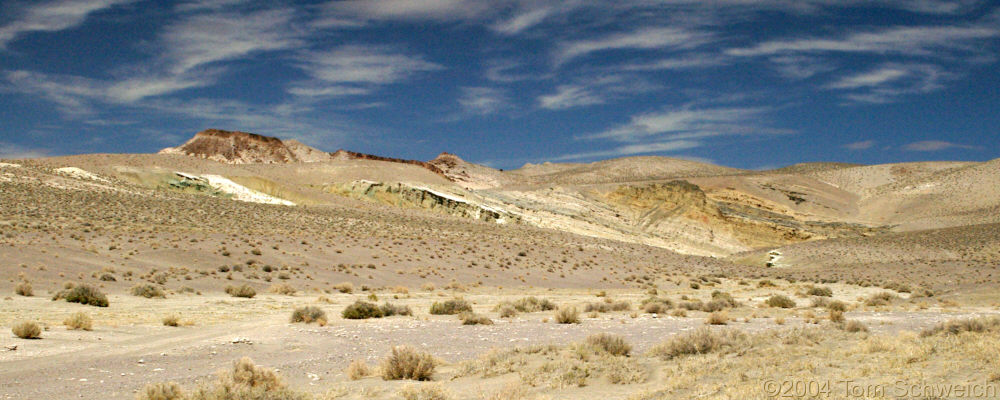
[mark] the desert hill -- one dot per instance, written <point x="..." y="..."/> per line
<point x="682" y="205"/>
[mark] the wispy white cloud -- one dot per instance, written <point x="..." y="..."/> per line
<point x="689" y="61"/>
<point x="522" y="21"/>
<point x="918" y="40"/>
<point x="641" y="39"/>
<point x="890" y="81"/>
<point x="570" y="96"/>
<point x="690" y="123"/>
<point x="483" y="100"/>
<point x="409" y="10"/>
<point x="862" y="145"/>
<point x="52" y="16"/>
<point x="220" y="36"/>
<point x="633" y="149"/>
<point x="935" y="145"/>
<point x="595" y="90"/>
<point x="354" y="64"/>
<point x="15" y="151"/>
<point x="800" y="66"/>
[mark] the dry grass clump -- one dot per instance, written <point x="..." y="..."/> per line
<point x="161" y="391"/>
<point x="507" y="311"/>
<point x="244" y="290"/>
<point x="27" y="330"/>
<point x="567" y="315"/>
<point x="450" y="307"/>
<point x="701" y="341"/>
<point x="532" y="304"/>
<point x="836" y="316"/>
<point x="388" y="309"/>
<point x="362" y="310"/>
<point x="309" y="314"/>
<point x="357" y="369"/>
<point x="344" y="287"/>
<point x="405" y="362"/>
<point x="820" y="291"/>
<point x="282" y="289"/>
<point x="656" y="305"/>
<point x="24" y="289"/>
<point x="83" y="294"/>
<point x="432" y="391"/>
<point x="147" y="290"/>
<point x="717" y="318"/>
<point x="469" y="318"/>
<point x="172" y="320"/>
<point x="608" y="305"/>
<point x="247" y="381"/>
<point x="780" y="301"/>
<point x="880" y="299"/>
<point x="957" y="326"/>
<point x="612" y="344"/>
<point x="853" y="326"/>
<point x="79" y="321"/>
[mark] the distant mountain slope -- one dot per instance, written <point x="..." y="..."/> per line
<point x="620" y="170"/>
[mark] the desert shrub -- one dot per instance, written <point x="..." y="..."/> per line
<point x="362" y="310"/>
<point x="695" y="305"/>
<point x="450" y="307"/>
<point x="717" y="318"/>
<point x="701" y="341"/>
<point x="780" y="301"/>
<point x="854" y="327"/>
<point x="507" y="311"/>
<point x="880" y="299"/>
<point x="533" y="304"/>
<point x="404" y="362"/>
<point x="172" y="320"/>
<point x="344" y="287"/>
<point x="432" y="391"/>
<point x="607" y="306"/>
<point x="83" y="294"/>
<point x="161" y="391"/>
<point x="309" y="314"/>
<point x="957" y="326"/>
<point x="567" y="315"/>
<point x="715" y="306"/>
<point x="388" y="309"/>
<point x="469" y="318"/>
<point x="108" y="278"/>
<point x="247" y="381"/>
<point x="820" y="291"/>
<point x="836" y="316"/>
<point x="244" y="290"/>
<point x="27" y="330"/>
<point x="282" y="289"/>
<point x="79" y="321"/>
<point x="836" y="305"/>
<point x="357" y="369"/>
<point x="147" y="290"/>
<point x="655" y="305"/>
<point x="24" y="289"/>
<point x="611" y="344"/>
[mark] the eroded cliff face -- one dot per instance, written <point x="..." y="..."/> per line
<point x="404" y="195"/>
<point x="669" y="209"/>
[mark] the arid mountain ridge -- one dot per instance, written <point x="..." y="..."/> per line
<point x="685" y="206"/>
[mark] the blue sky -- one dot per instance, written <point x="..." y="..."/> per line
<point x="742" y="83"/>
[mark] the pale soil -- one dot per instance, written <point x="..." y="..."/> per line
<point x="128" y="347"/>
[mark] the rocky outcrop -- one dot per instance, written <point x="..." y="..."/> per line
<point x="404" y="195"/>
<point x="234" y="147"/>
<point x="351" y="155"/>
<point x="468" y="175"/>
